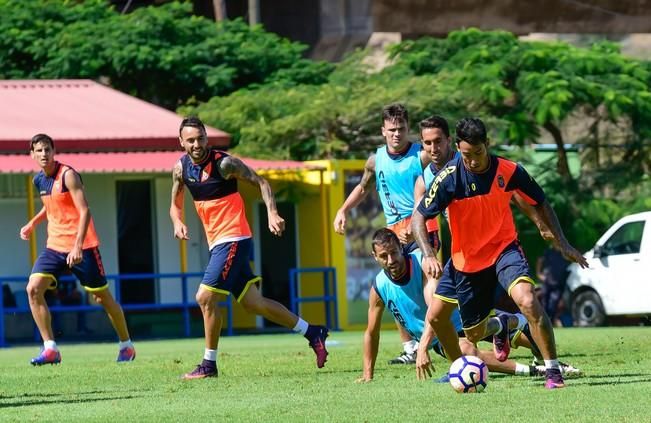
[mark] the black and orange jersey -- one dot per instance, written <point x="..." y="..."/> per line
<point x="62" y="215"/>
<point x="479" y="211"/>
<point x="219" y="205"/>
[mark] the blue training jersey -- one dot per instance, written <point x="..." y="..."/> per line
<point x="405" y="300"/>
<point x="395" y="176"/>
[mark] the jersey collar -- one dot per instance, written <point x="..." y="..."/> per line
<point x="405" y="277"/>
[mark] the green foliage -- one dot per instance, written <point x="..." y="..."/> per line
<point x="163" y="54"/>
<point x="521" y="89"/>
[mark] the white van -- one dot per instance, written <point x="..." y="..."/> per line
<point x="618" y="281"/>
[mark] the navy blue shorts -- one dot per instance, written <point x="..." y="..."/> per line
<point x="446" y="289"/>
<point x="229" y="271"/>
<point x="476" y="291"/>
<point x="90" y="271"/>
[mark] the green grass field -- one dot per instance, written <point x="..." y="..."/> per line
<point x="274" y="378"/>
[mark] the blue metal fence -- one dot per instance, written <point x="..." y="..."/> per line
<point x="329" y="297"/>
<point x="184" y="305"/>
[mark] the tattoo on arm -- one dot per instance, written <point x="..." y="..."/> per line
<point x="419" y="232"/>
<point x="550" y="220"/>
<point x="232" y="167"/>
<point x="177" y="183"/>
<point x="368" y="178"/>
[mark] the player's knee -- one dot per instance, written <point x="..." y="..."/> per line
<point x="203" y="298"/>
<point x="528" y="305"/>
<point x="34" y="289"/>
<point x="467" y="347"/>
<point x="99" y="299"/>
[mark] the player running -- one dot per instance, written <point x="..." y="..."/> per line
<point x="72" y="244"/>
<point x="211" y="177"/>
<point x="476" y="189"/>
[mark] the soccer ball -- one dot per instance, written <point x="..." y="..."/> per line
<point x="468" y="374"/>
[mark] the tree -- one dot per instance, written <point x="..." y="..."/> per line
<point x="523" y="90"/>
<point x="162" y="54"/>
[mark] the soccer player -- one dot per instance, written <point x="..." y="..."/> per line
<point x="435" y="138"/>
<point x="403" y="288"/>
<point x="72" y="243"/>
<point x="393" y="170"/>
<point x="476" y="189"/>
<point x="211" y="176"/>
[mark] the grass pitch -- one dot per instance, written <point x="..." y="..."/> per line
<point x="274" y="378"/>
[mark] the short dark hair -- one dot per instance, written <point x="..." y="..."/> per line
<point x="394" y="111"/>
<point x="384" y="236"/>
<point x="435" y="121"/>
<point x="471" y="130"/>
<point x="41" y="138"/>
<point x="194" y="122"/>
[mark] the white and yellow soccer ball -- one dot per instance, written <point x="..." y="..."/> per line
<point x="468" y="374"/>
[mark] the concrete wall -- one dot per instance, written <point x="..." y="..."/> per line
<point x="438" y="17"/>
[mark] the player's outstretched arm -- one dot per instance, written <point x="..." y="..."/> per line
<point x="232" y="167"/>
<point x="532" y="213"/>
<point x="26" y="231"/>
<point x="372" y="334"/>
<point x="559" y="241"/>
<point x="360" y="192"/>
<point x="431" y="267"/>
<point x="176" y="207"/>
<point x="424" y="365"/>
<point x="76" y="189"/>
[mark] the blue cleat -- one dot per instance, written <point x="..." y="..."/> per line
<point x="47" y="356"/>
<point x="126" y="354"/>
<point x="443" y="379"/>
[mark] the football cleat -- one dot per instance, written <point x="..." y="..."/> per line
<point x="317" y="336"/>
<point x="554" y="379"/>
<point x="501" y="344"/>
<point x="443" y="379"/>
<point x="47" y="356"/>
<point x="126" y="354"/>
<point x="404" y="358"/>
<point x="203" y="370"/>
<point x="567" y="370"/>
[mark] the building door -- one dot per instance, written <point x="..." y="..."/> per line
<point x="277" y="254"/>
<point x="135" y="240"/>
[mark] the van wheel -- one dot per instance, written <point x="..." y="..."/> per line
<point x="587" y="309"/>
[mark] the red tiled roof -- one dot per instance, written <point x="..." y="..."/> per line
<point x="85" y="116"/>
<point x="128" y="162"/>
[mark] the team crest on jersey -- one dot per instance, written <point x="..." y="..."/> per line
<point x="500" y="181"/>
<point x="205" y="173"/>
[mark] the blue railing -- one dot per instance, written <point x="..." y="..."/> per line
<point x="184" y="305"/>
<point x="329" y="297"/>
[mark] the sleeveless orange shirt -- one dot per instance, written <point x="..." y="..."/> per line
<point x="62" y="215"/>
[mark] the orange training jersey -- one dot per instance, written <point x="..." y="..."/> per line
<point x="479" y="210"/>
<point x="218" y="203"/>
<point x="62" y="215"/>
